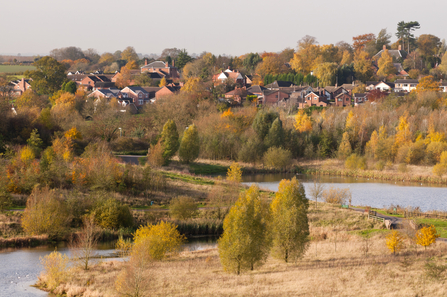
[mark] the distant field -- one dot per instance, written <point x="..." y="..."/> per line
<point x="15" y="68"/>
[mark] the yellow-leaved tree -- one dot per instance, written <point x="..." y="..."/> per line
<point x="441" y="168"/>
<point x="234" y="173"/>
<point x="426" y="236"/>
<point x="395" y="241"/>
<point x="55" y="269"/>
<point x="386" y="66"/>
<point x="158" y="240"/>
<point x="289" y="225"/>
<point x="162" y="82"/>
<point x="345" y="149"/>
<point x="303" y="122"/>
<point x="244" y="243"/>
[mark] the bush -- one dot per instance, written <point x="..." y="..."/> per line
<point x="183" y="207"/>
<point x="354" y="162"/>
<point x="277" y="157"/>
<point x="45" y="213"/>
<point x="155" y="155"/>
<point x="337" y="196"/>
<point x="158" y="240"/>
<point x="55" y="269"/>
<point x="111" y="214"/>
<point x="380" y="165"/>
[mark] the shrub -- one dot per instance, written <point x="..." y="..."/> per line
<point x="158" y="240"/>
<point x="55" y="269"/>
<point x="183" y="207"/>
<point x="189" y="146"/>
<point x="111" y="214"/>
<point x="380" y="165"/>
<point x="45" y="213"/>
<point x="277" y="157"/>
<point x="234" y="173"/>
<point x="354" y="162"/>
<point x="337" y="196"/>
<point x="402" y="167"/>
<point x="155" y="155"/>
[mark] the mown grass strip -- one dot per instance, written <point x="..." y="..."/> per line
<point x="188" y="178"/>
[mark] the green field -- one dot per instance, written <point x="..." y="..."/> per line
<point x="15" y="68"/>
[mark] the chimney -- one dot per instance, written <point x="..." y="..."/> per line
<point x="145" y="62"/>
<point x="167" y="65"/>
<point x="384" y="47"/>
<point x="173" y="63"/>
<point x="400" y="47"/>
<point x="229" y="67"/>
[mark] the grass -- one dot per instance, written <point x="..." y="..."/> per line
<point x="188" y="178"/>
<point x="440" y="225"/>
<point x="15" y="68"/>
<point x="207" y="169"/>
<point x="131" y="153"/>
<point x="384" y="212"/>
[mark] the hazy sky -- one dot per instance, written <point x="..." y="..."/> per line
<point x="231" y="27"/>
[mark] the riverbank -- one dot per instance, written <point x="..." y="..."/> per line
<point x="335" y="167"/>
<point x="347" y="254"/>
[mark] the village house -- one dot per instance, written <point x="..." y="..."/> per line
<point x="315" y="98"/>
<point x="360" y="98"/>
<point x="93" y="82"/>
<point x="162" y="68"/>
<point x="405" y="85"/>
<point x="233" y="75"/>
<point x="274" y="97"/>
<point x="443" y="86"/>
<point x="166" y="91"/>
<point x="343" y="99"/>
<point x="20" y="86"/>
<point x="106" y="93"/>
<point x="334" y="91"/>
<point x="238" y="94"/>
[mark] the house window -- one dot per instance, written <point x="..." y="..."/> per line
<point x="140" y="102"/>
<point x="140" y="95"/>
<point x="339" y="100"/>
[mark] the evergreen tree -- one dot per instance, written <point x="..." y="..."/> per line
<point x="275" y="137"/>
<point x="35" y="142"/>
<point x="69" y="87"/>
<point x="262" y="123"/>
<point x="183" y="58"/>
<point x="169" y="140"/>
<point x="325" y="144"/>
<point x="244" y="243"/>
<point x="289" y="225"/>
<point x="189" y="146"/>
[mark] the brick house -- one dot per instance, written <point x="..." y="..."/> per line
<point x="167" y="91"/>
<point x="360" y="98"/>
<point x="274" y="97"/>
<point x="334" y="91"/>
<point x="137" y="95"/>
<point x="343" y="99"/>
<point x="106" y="93"/>
<point x="238" y="94"/>
<point x="92" y="82"/>
<point x="163" y="68"/>
<point x="20" y="86"/>
<point x="317" y="98"/>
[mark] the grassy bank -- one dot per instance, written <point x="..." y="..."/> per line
<point x="334" y="167"/>
<point x="346" y="257"/>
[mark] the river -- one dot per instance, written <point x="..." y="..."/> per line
<point x="367" y="192"/>
<point x="19" y="268"/>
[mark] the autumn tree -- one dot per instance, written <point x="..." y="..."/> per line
<point x="395" y="241"/>
<point x="162" y="82"/>
<point x="289" y="224"/>
<point x="190" y="145"/>
<point x="45" y="213"/>
<point x="345" y="149"/>
<point x="362" y="66"/>
<point x="316" y="191"/>
<point x="325" y="73"/>
<point x="428" y="44"/>
<point x="244" y="243"/>
<point x="48" y="77"/>
<point x="182" y="207"/>
<point x="234" y="173"/>
<point x="426" y="236"/>
<point x="427" y="84"/>
<point x="307" y="56"/>
<point x="31" y="99"/>
<point x="303" y="122"/>
<point x="158" y="240"/>
<point x="386" y="66"/>
<point x="129" y="54"/>
<point x="169" y="139"/>
<point x="441" y="168"/>
<point x="55" y="269"/>
<point x="83" y="245"/>
<point x="361" y="41"/>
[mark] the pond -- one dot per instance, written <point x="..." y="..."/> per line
<point x="367" y="192"/>
<point x="19" y="268"/>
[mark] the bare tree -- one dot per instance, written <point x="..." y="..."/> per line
<point x="83" y="245"/>
<point x="316" y="191"/>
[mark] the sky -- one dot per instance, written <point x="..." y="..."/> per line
<point x="231" y="27"/>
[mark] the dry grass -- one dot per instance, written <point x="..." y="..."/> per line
<point x="335" y="265"/>
<point x="324" y="271"/>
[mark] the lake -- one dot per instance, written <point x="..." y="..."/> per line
<point x="367" y="192"/>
